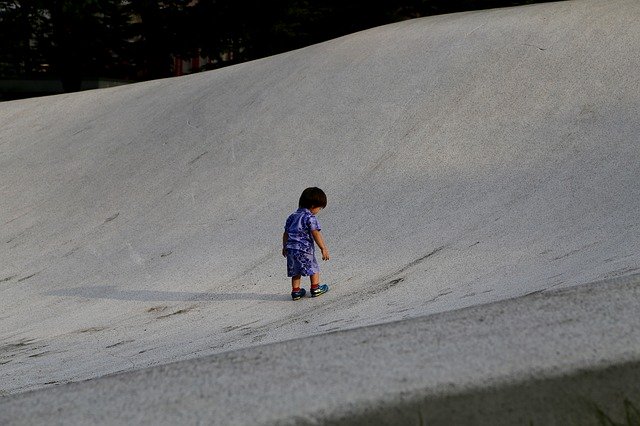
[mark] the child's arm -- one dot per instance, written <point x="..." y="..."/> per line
<point x="285" y="237"/>
<point x="317" y="236"/>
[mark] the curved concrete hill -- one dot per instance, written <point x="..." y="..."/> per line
<point x="467" y="158"/>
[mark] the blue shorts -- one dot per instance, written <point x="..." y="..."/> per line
<point x="301" y="263"/>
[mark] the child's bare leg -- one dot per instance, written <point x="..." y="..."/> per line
<point x="315" y="280"/>
<point x="295" y="282"/>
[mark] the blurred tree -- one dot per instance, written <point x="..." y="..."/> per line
<point x="231" y="31"/>
<point x="69" y="39"/>
<point x="159" y="29"/>
<point x="77" y="47"/>
<point x="21" y="36"/>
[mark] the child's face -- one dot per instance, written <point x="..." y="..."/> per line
<point x="315" y="210"/>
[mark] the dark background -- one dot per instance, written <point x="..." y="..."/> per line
<point x="74" y="40"/>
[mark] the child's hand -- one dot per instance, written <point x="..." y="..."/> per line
<point x="325" y="253"/>
<point x="284" y="252"/>
<point x="317" y="236"/>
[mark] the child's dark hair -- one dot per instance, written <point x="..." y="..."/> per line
<point x="313" y="197"/>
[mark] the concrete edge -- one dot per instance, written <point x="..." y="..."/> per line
<point x="605" y="394"/>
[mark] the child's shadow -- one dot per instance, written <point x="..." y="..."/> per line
<point x="114" y="293"/>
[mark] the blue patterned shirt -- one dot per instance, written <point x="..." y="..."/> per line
<point x="298" y="228"/>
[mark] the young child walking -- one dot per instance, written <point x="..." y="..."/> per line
<point x="300" y="232"/>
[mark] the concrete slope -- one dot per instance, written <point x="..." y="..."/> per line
<point x="467" y="158"/>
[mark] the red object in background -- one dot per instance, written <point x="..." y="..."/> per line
<point x="177" y="66"/>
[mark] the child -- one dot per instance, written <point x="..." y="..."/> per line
<point x="300" y="232"/>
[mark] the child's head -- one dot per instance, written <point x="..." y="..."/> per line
<point x="312" y="197"/>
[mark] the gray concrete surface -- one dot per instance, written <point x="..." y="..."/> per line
<point x="566" y="357"/>
<point x="468" y="159"/>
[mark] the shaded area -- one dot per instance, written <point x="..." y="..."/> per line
<point x="602" y="396"/>
<point x="115" y="293"/>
